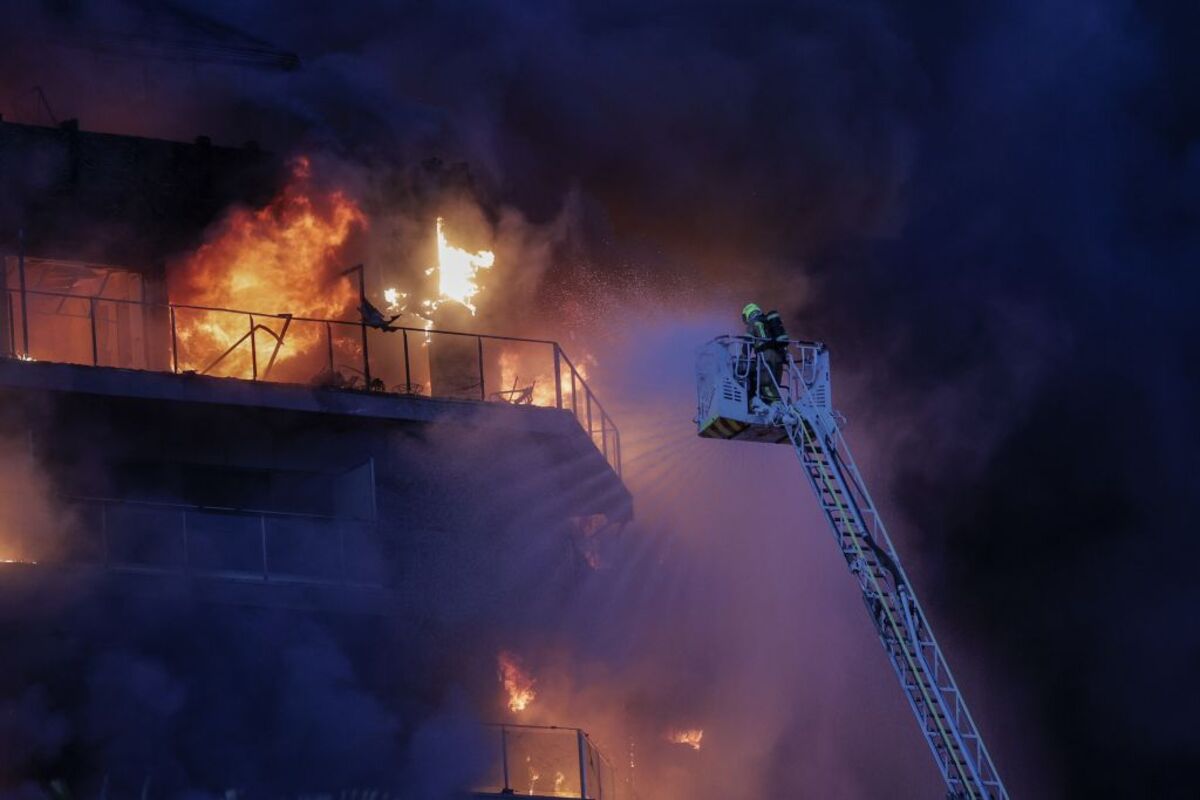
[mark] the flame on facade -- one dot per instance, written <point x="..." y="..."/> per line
<point x="517" y="682"/>
<point x="456" y="270"/>
<point x="692" y="737"/>
<point x="278" y="259"/>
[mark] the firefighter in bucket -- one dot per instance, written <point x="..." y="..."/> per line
<point x="770" y="341"/>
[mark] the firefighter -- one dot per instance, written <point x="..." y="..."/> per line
<point x="771" y="342"/>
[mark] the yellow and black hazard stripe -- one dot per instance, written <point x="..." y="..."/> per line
<point x="722" y="428"/>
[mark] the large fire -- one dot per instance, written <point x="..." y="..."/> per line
<point x="275" y="260"/>
<point x="692" y="737"/>
<point x="518" y="684"/>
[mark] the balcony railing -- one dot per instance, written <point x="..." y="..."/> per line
<point x="237" y="544"/>
<point x="283" y="348"/>
<point x="550" y="762"/>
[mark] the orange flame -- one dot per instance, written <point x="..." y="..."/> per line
<point x="527" y="378"/>
<point x="689" y="736"/>
<point x="456" y="269"/>
<point x="277" y="259"/>
<point x="517" y="683"/>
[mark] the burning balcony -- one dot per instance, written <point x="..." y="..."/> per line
<point x="93" y="315"/>
<point x="541" y="761"/>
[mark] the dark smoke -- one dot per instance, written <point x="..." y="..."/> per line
<point x="989" y="212"/>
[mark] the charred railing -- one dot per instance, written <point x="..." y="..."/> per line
<point x="547" y="761"/>
<point x="284" y="348"/>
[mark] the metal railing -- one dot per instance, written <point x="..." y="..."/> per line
<point x="564" y="760"/>
<point x="250" y="545"/>
<point x="284" y="348"/>
<point x="546" y="761"/>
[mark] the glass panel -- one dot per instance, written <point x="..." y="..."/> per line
<point x="85" y="544"/>
<point x="224" y="542"/>
<point x="304" y="547"/>
<point x="60" y="329"/>
<point x="368" y="556"/>
<point x="492" y="779"/>
<point x="58" y="301"/>
<point x="144" y="536"/>
<point x="601" y="777"/>
<point x="121" y="333"/>
<point x="592" y="763"/>
<point x="543" y="762"/>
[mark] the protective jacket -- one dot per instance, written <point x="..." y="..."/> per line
<point x="767" y="330"/>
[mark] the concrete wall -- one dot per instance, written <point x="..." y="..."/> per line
<point x="120" y="199"/>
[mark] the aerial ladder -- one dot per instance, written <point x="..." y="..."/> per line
<point x="748" y="392"/>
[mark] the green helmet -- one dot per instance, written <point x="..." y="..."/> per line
<point x="750" y="308"/>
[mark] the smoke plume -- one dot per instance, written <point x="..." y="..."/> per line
<point x="988" y="212"/>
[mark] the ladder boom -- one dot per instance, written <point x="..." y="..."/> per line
<point x="751" y="394"/>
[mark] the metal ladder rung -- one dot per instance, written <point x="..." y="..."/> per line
<point x="906" y="637"/>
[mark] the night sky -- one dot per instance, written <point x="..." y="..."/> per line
<point x="990" y="209"/>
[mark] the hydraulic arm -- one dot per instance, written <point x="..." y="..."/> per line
<point x="784" y="397"/>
